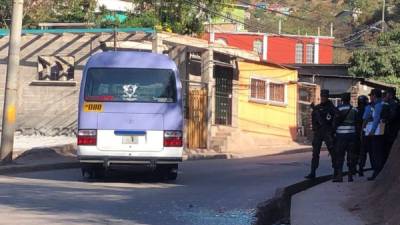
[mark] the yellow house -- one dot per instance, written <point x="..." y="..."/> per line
<point x="264" y="108"/>
<point x="267" y="99"/>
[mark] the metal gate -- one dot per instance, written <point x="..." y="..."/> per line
<point x="307" y="93"/>
<point x="197" y="119"/>
<point x="223" y="95"/>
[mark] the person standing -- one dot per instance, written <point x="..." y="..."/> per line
<point x="375" y="130"/>
<point x="322" y="125"/>
<point x="392" y="121"/>
<point x="361" y="146"/>
<point x="345" y="124"/>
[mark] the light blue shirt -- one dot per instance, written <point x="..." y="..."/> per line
<point x="375" y="112"/>
<point x="367" y="112"/>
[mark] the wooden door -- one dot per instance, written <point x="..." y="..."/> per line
<point x="197" y="119"/>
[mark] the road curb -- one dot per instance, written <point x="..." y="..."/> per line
<point x="277" y="210"/>
<point x="195" y="157"/>
<point x="12" y="169"/>
<point x="230" y="155"/>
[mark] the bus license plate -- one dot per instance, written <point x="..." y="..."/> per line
<point x="130" y="140"/>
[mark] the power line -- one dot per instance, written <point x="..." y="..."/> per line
<point x="248" y="25"/>
<point x="278" y="12"/>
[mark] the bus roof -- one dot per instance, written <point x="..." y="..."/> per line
<point x="125" y="59"/>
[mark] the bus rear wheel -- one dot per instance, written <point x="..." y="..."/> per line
<point x="168" y="172"/>
<point x="93" y="171"/>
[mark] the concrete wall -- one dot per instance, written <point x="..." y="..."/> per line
<point x="49" y="108"/>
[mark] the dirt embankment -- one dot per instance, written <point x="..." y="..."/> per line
<point x="381" y="203"/>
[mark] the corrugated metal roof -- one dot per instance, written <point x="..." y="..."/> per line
<point x="5" y="32"/>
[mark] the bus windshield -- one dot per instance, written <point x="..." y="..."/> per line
<point x="130" y="85"/>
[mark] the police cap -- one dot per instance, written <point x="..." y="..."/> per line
<point x="324" y="93"/>
<point x="346" y="97"/>
<point x="376" y="92"/>
<point x="362" y="99"/>
<point x="391" y="91"/>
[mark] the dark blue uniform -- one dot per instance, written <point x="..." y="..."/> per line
<point x="322" y="124"/>
<point x="346" y="137"/>
<point x="392" y="121"/>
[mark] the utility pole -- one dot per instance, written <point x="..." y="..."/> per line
<point x="115" y="31"/>
<point x="10" y="97"/>
<point x="383" y="15"/>
<point x="280" y="26"/>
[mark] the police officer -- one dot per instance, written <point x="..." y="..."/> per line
<point x="322" y="125"/>
<point x="345" y="124"/>
<point x="392" y="121"/>
<point x="361" y="148"/>
<point x="374" y="130"/>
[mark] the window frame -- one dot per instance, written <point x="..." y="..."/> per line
<point x="87" y="74"/>
<point x="312" y="53"/>
<point x="260" y="50"/>
<point x="296" y="55"/>
<point x="265" y="88"/>
<point x="284" y="93"/>
<point x="267" y="99"/>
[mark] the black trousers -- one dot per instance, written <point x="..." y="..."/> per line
<point x="377" y="153"/>
<point x="345" y="146"/>
<point x="320" y="136"/>
<point x="365" y="150"/>
<point x="388" y="143"/>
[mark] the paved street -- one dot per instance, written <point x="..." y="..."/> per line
<point x="209" y="192"/>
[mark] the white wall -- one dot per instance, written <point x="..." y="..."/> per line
<point x="115" y="5"/>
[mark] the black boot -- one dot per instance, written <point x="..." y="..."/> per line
<point x="335" y="172"/>
<point x="361" y="172"/>
<point x="338" y="178"/>
<point x="311" y="176"/>
<point x="374" y="175"/>
<point x="350" y="177"/>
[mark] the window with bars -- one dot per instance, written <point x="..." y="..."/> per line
<point x="277" y="92"/>
<point x="310" y="53"/>
<point x="299" y="53"/>
<point x="265" y="91"/>
<point x="258" y="46"/>
<point x="258" y="89"/>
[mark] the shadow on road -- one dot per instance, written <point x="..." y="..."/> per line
<point x="125" y="175"/>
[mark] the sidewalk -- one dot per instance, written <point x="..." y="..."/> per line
<point x="195" y="154"/>
<point x="36" y="153"/>
<point x="25" y="143"/>
<point x="326" y="204"/>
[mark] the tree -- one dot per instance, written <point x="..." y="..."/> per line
<point x="381" y="62"/>
<point x="74" y="10"/>
<point x="5" y="13"/>
<point x="180" y="16"/>
<point x="36" y="11"/>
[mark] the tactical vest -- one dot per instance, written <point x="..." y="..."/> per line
<point x="348" y="124"/>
